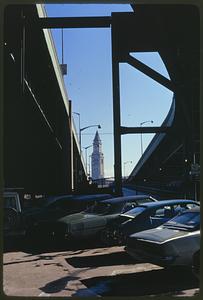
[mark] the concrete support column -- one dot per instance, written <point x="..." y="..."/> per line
<point x="116" y="116"/>
<point x="71" y="146"/>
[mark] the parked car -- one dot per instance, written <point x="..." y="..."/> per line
<point x="94" y="219"/>
<point x="143" y="217"/>
<point x="59" y="206"/>
<point x="172" y="244"/>
<point x="53" y="207"/>
<point x="19" y="218"/>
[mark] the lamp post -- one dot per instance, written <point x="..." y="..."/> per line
<point x="126" y="162"/>
<point x="86" y="154"/>
<point x="81" y="129"/>
<point x="141" y="134"/>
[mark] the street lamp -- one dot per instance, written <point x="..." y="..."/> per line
<point x="141" y="134"/>
<point x="86" y="154"/>
<point x="126" y="162"/>
<point x="81" y="129"/>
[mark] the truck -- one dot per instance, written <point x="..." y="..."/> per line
<point x="12" y="214"/>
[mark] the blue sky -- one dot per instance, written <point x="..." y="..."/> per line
<point x="87" y="53"/>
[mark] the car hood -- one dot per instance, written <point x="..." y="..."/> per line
<point x="159" y="234"/>
<point x="78" y="217"/>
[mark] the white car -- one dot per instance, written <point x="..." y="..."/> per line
<point x="172" y="244"/>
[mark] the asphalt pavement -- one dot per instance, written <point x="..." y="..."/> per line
<point x="87" y="269"/>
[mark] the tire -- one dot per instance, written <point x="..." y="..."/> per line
<point x="121" y="238"/>
<point x="107" y="237"/>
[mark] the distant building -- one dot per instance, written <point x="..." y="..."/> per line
<point x="97" y="158"/>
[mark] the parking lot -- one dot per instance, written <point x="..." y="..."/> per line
<point x="88" y="269"/>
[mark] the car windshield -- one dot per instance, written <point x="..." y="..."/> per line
<point x="135" y="211"/>
<point x="104" y="208"/>
<point x="189" y="220"/>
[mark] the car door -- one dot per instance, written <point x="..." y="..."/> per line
<point x="94" y="223"/>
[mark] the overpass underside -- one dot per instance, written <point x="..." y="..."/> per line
<point x="40" y="150"/>
<point x="41" y="153"/>
<point x="172" y="160"/>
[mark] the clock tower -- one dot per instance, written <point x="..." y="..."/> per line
<point x="97" y="158"/>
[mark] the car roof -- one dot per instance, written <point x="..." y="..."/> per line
<point x="160" y="203"/>
<point x="127" y="198"/>
<point x="92" y="196"/>
<point x="51" y="199"/>
<point x="170" y="201"/>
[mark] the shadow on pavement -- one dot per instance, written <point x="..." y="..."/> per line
<point x="36" y="246"/>
<point x="154" y="282"/>
<point x="94" y="261"/>
<point x="57" y="285"/>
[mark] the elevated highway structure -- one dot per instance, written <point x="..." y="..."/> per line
<point x="40" y="144"/>
<point x="171" y="163"/>
<point x="41" y="149"/>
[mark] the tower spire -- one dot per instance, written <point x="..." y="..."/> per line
<point x="97" y="158"/>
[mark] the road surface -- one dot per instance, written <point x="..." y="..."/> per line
<point x="88" y="269"/>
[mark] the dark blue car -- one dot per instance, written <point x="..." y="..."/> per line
<point x="143" y="217"/>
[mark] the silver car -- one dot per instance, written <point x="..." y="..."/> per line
<point x="143" y="217"/>
<point x="172" y="244"/>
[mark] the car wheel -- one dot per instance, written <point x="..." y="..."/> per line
<point x="106" y="237"/>
<point x="120" y="237"/>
